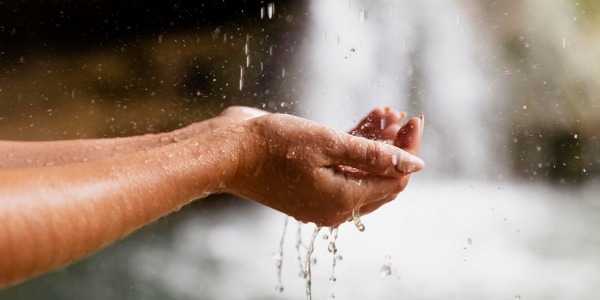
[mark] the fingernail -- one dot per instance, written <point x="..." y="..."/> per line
<point x="406" y="163"/>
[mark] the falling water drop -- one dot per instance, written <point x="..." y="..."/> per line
<point x="279" y="259"/>
<point x="386" y="268"/>
<point x="357" y="222"/>
<point x="333" y="232"/>
<point x="262" y="12"/>
<point x="271" y="10"/>
<point x="241" y="78"/>
<point x="307" y="263"/>
<point x="363" y="14"/>
<point x="298" y="244"/>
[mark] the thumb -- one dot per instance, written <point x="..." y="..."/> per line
<point x="374" y="157"/>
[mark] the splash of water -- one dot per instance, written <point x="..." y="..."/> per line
<point x="279" y="258"/>
<point x="298" y="244"/>
<point x="307" y="263"/>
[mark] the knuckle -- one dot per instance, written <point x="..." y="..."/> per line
<point x="372" y="153"/>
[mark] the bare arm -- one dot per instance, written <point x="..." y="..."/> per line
<point x="54" y="215"/>
<point x="51" y="216"/>
<point x="17" y="154"/>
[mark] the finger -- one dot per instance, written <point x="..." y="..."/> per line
<point x="374" y="157"/>
<point x="409" y="136"/>
<point x="370" y="125"/>
<point x="366" y="188"/>
<point x="369" y="207"/>
<point x="392" y="116"/>
<point x="389" y="133"/>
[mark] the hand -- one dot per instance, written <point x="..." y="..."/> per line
<point x="380" y="125"/>
<point x="292" y="165"/>
<point x="407" y="138"/>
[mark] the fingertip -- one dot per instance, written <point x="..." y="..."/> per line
<point x="406" y="163"/>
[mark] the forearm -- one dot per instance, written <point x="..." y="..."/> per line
<point x="16" y="154"/>
<point x="54" y="153"/>
<point x="51" y="216"/>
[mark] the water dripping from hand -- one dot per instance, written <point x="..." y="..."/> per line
<point x="357" y="222"/>
<point x="307" y="263"/>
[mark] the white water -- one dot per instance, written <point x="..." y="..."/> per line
<point x="531" y="241"/>
<point x="417" y="56"/>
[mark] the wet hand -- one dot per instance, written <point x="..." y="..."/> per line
<point x="408" y="138"/>
<point x="293" y="165"/>
<point x="380" y="125"/>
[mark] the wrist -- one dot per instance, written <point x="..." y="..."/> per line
<point x="217" y="159"/>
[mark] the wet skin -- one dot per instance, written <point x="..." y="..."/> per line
<point x="55" y="209"/>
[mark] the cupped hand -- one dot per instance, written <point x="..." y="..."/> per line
<point x="408" y="138"/>
<point x="292" y="165"/>
<point x="380" y="125"/>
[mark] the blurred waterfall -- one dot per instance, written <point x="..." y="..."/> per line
<point x="415" y="56"/>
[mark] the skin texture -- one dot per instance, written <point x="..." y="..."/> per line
<point x="55" y="209"/>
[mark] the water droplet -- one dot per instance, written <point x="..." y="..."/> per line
<point x="160" y="38"/>
<point x="279" y="288"/>
<point x="363" y="15"/>
<point x="564" y="42"/>
<point x="271" y="10"/>
<point x="307" y="263"/>
<point x="238" y="129"/>
<point x="357" y="222"/>
<point x="386" y="270"/>
<point x="280" y="132"/>
<point x="469" y="241"/>
<point x="517" y="297"/>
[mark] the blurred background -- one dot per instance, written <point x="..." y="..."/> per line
<point x="507" y="208"/>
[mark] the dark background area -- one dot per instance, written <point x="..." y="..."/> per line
<point x="177" y="61"/>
